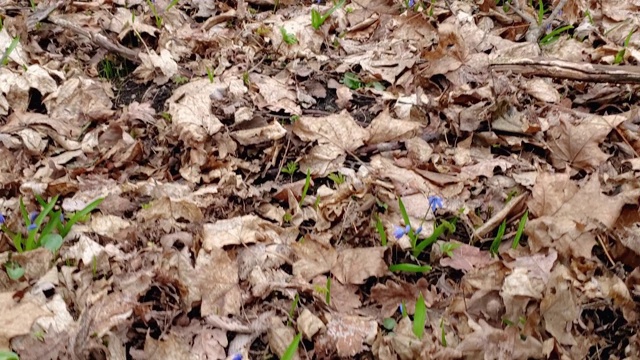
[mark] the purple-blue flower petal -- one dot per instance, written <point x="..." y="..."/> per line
<point x="33" y="215"/>
<point x="398" y="231"/>
<point x="435" y="202"/>
<point x="2" y="219"/>
<point x="31" y="227"/>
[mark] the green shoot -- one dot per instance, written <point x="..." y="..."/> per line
<point x="352" y="81"/>
<point x="419" y="317"/>
<point x="521" y="224"/>
<point x="292" y="310"/>
<point x="1" y="25"/>
<point x="337" y="178"/>
<point x="403" y="310"/>
<point x="290" y="168"/>
<point x="554" y="35"/>
<point x="439" y="230"/>
<point x="288" y="38"/>
<point x="410" y="268"/>
<point x="287" y="217"/>
<point x="5" y="57"/>
<point x="327" y="295"/>
<point x="211" y="74"/>
<point x="307" y="183"/>
<point x="8" y="355"/>
<point x="498" y="239"/>
<point x="94" y="266"/>
<point x="620" y="54"/>
<point x="318" y="19"/>
<point x="245" y="79"/>
<point x="157" y="17"/>
<point x="587" y="13"/>
<point x="14" y="270"/>
<point x="180" y="80"/>
<point x="33" y="5"/>
<point x="294" y="118"/>
<point x="292" y="349"/>
<point x="381" y="232"/>
<point x="448" y="247"/>
<point x="171" y="4"/>
<point x="541" y="12"/>
<point x="389" y="323"/>
<point x="443" y="335"/>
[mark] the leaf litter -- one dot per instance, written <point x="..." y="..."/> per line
<point x="251" y="159"/>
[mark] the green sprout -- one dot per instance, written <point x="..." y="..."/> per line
<point x="337" y="178"/>
<point x="495" y="244"/>
<point x="288" y="38"/>
<point x="389" y="323"/>
<point x="211" y="74"/>
<point x="443" y="336"/>
<point x="352" y="81"/>
<point x="180" y="80"/>
<point x="290" y="168"/>
<point x="8" y="355"/>
<point x="554" y="35"/>
<point x="327" y="295"/>
<point x="620" y="54"/>
<point x="292" y="310"/>
<point x="410" y="268"/>
<point x="587" y="13"/>
<point x="419" y="317"/>
<point x="305" y="188"/>
<point x="287" y="217"/>
<point x="448" y="247"/>
<point x="292" y="349"/>
<point x="5" y="57"/>
<point x="157" y="16"/>
<point x="521" y="224"/>
<point x="14" y="270"/>
<point x="381" y="232"/>
<point x="318" y="19"/>
<point x="245" y="79"/>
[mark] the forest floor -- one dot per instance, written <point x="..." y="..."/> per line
<point x="258" y="179"/>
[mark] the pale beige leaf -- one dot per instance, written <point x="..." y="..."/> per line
<point x="190" y="110"/>
<point x="17" y="317"/>
<point x="355" y="266"/>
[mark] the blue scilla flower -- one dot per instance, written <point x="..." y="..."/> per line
<point x="33" y="215"/>
<point x="412" y="2"/>
<point x="435" y="202"/>
<point x="237" y="357"/>
<point x="399" y="231"/>
<point x="31" y="227"/>
<point x="2" y="219"/>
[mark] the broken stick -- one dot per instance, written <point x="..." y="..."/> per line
<point x="560" y="69"/>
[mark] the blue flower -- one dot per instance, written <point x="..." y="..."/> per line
<point x="237" y="357"/>
<point x="61" y="217"/>
<point x="399" y="231"/>
<point x="32" y="216"/>
<point x="435" y="202"/>
<point x="2" y="219"/>
<point x="419" y="230"/>
<point x="400" y="309"/>
<point x="411" y="3"/>
<point x="31" y="227"/>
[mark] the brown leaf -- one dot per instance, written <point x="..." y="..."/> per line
<point x="355" y="266"/>
<point x="466" y="258"/>
<point x="578" y="145"/>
